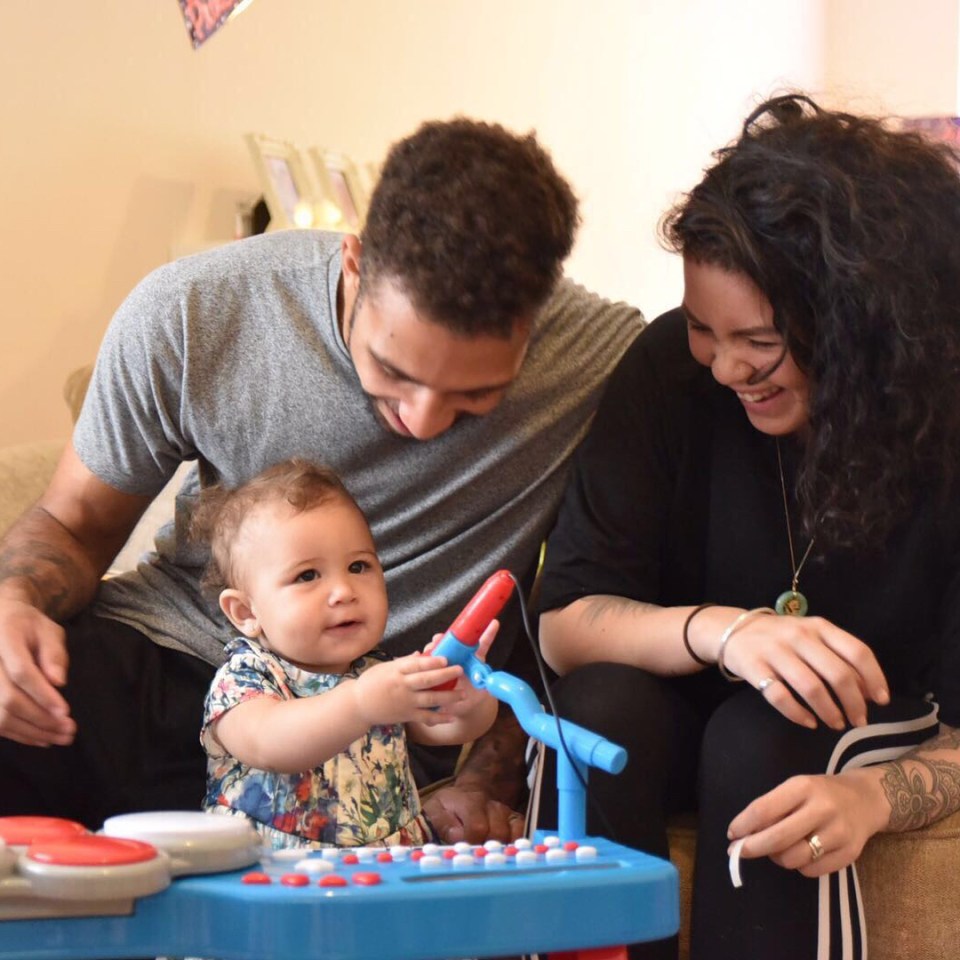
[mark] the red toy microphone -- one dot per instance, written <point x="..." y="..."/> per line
<point x="458" y="642"/>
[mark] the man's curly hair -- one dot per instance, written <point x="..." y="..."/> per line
<point x="851" y="230"/>
<point x="221" y="510"/>
<point x="473" y="222"/>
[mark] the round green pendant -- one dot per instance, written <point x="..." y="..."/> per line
<point x="791" y="603"/>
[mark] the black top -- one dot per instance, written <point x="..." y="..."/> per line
<point x="675" y="499"/>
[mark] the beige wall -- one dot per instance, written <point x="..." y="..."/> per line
<point x="121" y="143"/>
<point x="894" y="56"/>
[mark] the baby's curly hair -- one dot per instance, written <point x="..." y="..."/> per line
<point x="850" y="229"/>
<point x="222" y="510"/>
<point x="473" y="222"/>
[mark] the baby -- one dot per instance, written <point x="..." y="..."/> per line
<point x="304" y="725"/>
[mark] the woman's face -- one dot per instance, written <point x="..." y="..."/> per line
<point x="730" y="329"/>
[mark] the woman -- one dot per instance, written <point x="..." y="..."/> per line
<point x="768" y="494"/>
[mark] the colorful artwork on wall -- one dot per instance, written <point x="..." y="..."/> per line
<point x="204" y="17"/>
<point x="937" y="128"/>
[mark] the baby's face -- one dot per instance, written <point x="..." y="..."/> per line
<point x="314" y="583"/>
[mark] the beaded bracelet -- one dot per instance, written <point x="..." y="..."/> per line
<point x="686" y="634"/>
<point x="728" y="633"/>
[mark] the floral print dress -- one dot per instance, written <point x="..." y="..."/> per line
<point x="365" y="795"/>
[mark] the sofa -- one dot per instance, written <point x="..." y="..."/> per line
<point x="909" y="881"/>
<point x="26" y="468"/>
<point x="24" y="471"/>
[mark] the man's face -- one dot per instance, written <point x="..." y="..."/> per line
<point x="420" y="376"/>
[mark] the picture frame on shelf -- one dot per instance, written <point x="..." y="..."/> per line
<point x="288" y="191"/>
<point x="345" y="194"/>
<point x="370" y="174"/>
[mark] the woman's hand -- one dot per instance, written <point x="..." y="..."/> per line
<point x="838" y="813"/>
<point x="808" y="659"/>
<point x="835" y="813"/>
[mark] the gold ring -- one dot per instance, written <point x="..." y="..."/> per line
<point x="765" y="682"/>
<point x="816" y="847"/>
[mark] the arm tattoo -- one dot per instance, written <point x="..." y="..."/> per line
<point x="46" y="572"/>
<point x="922" y="789"/>
<point x="599" y="606"/>
<point x="497" y="760"/>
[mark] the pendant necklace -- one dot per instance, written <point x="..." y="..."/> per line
<point x="791" y="602"/>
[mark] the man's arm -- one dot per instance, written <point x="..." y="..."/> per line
<point x="482" y="800"/>
<point x="51" y="561"/>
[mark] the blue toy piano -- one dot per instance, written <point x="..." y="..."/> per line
<point x="187" y="884"/>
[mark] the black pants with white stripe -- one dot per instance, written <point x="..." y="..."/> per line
<point x="700" y="743"/>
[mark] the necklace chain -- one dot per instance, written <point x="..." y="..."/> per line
<point x="786" y="513"/>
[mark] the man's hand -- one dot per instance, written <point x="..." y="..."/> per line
<point x="482" y="801"/>
<point x="51" y="561"/>
<point x="33" y="663"/>
<point x="471" y="814"/>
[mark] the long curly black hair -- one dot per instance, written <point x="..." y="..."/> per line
<point x="473" y="221"/>
<point x="851" y="229"/>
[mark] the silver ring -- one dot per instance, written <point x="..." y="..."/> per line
<point x="765" y="682"/>
<point x="816" y="847"/>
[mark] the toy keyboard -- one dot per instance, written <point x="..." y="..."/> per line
<point x="342" y="904"/>
<point x="181" y="884"/>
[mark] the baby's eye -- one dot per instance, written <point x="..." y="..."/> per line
<point x="307" y="575"/>
<point x="358" y="566"/>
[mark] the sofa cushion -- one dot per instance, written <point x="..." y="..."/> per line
<point x="25" y="470"/>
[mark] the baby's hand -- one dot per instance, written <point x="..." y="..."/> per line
<point x="483" y="644"/>
<point x="399" y="691"/>
<point x="469" y="697"/>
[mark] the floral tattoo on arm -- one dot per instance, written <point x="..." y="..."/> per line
<point x="921" y="788"/>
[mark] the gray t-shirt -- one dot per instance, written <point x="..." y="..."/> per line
<point x="234" y="359"/>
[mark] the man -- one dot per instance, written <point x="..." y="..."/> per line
<point x="438" y="364"/>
